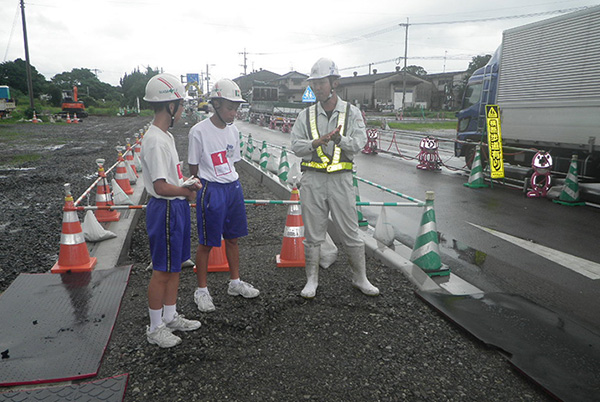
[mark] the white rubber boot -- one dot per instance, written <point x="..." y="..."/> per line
<point x="359" y="271"/>
<point x="311" y="255"/>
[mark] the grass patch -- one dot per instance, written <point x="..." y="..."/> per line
<point x="19" y="159"/>
<point x="429" y="126"/>
<point x="11" y="136"/>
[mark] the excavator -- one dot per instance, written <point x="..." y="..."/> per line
<point x="71" y="105"/>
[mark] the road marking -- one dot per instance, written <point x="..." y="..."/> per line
<point x="586" y="268"/>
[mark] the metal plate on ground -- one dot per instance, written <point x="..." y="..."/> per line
<point x="555" y="352"/>
<point x="55" y="327"/>
<point x="110" y="389"/>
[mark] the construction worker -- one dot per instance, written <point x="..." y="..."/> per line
<point x="326" y="136"/>
<point x="214" y="147"/>
<point x="168" y="218"/>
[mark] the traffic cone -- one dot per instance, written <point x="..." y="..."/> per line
<point x="217" y="259"/>
<point x="73" y="255"/>
<point x="35" y="119"/>
<point x="122" y="177"/>
<point x="130" y="158"/>
<point x="426" y="251"/>
<point x="75" y="119"/>
<point x="241" y="144"/>
<point x="292" y="250"/>
<point x="137" y="152"/>
<point x="249" y="148"/>
<point x="104" y="197"/>
<point x="361" y="219"/>
<point x="68" y="119"/>
<point x="570" y="190"/>
<point x="264" y="156"/>
<point x="476" y="176"/>
<point x="284" y="166"/>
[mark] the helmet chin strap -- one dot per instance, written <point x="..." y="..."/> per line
<point x="220" y="118"/>
<point x="178" y="105"/>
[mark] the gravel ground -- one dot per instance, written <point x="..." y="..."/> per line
<point x="341" y="346"/>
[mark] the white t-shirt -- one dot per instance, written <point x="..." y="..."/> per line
<point x="214" y="150"/>
<point x="160" y="160"/>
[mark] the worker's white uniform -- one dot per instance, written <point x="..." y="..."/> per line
<point x="322" y="192"/>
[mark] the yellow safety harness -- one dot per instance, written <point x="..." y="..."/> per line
<point x="320" y="160"/>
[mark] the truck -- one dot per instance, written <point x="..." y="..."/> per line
<point x="7" y="104"/>
<point x="545" y="79"/>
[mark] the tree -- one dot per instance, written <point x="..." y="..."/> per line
<point x="415" y="70"/>
<point x="14" y="74"/>
<point x="476" y="63"/>
<point x="87" y="84"/>
<point x="134" y="85"/>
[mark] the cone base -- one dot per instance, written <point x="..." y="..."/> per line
<point x="570" y="204"/>
<point x="62" y="269"/>
<point x="281" y="263"/>
<point x="363" y="223"/>
<point x="110" y="217"/>
<point x="442" y="271"/>
<point x="475" y="185"/>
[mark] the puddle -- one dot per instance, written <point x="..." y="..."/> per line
<point x="464" y="252"/>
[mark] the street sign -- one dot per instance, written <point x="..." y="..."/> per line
<point x="492" y="114"/>
<point x="309" y="95"/>
<point x="193" y="78"/>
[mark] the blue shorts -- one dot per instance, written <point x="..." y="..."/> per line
<point x="168" y="223"/>
<point x="220" y="212"/>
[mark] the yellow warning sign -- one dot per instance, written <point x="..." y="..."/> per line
<point x="494" y="141"/>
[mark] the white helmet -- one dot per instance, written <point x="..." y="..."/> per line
<point x="164" y="88"/>
<point x="324" y="67"/>
<point x="227" y="89"/>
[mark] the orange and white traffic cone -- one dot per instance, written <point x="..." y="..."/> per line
<point x="35" y="119"/>
<point x="129" y="157"/>
<point x="73" y="255"/>
<point x="217" y="259"/>
<point x="137" y="153"/>
<point x="292" y="250"/>
<point x="104" y="197"/>
<point x="75" y="119"/>
<point x="122" y="177"/>
<point x="68" y="119"/>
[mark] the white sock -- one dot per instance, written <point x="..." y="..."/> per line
<point x="169" y="313"/>
<point x="202" y="290"/>
<point x="155" y="318"/>
<point x="234" y="281"/>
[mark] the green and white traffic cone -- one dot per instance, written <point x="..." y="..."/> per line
<point x="476" y="177"/>
<point x="241" y="144"/>
<point x="264" y="156"/>
<point x="249" y="148"/>
<point x="426" y="251"/>
<point x="284" y="166"/>
<point x="361" y="219"/>
<point x="570" y="191"/>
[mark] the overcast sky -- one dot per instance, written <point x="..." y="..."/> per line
<point x="114" y="37"/>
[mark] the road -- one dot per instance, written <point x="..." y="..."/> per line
<point x="494" y="238"/>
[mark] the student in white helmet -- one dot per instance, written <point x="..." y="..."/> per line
<point x="214" y="147"/>
<point x="326" y="136"/>
<point x="168" y="218"/>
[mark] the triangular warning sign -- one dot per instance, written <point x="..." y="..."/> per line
<point x="491" y="111"/>
<point x="309" y="95"/>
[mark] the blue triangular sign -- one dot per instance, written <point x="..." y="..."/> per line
<point x="309" y="95"/>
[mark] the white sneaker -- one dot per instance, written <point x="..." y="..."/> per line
<point x="204" y="301"/>
<point x="181" y="324"/>
<point x="243" y="289"/>
<point x="162" y="337"/>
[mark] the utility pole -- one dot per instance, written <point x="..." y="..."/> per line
<point x="245" y="60"/>
<point x="404" y="74"/>
<point x="29" y="82"/>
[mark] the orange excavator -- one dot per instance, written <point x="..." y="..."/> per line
<point x="71" y="105"/>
